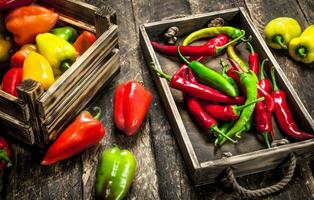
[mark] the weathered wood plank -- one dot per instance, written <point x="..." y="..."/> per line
<point x="307" y="7"/>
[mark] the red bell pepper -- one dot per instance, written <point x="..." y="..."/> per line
<point x="84" y="41"/>
<point x="11" y="80"/>
<point x="83" y="133"/>
<point x="17" y="59"/>
<point x="5" y="154"/>
<point x="131" y="104"/>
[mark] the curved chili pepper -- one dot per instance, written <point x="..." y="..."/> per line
<point x="226" y="113"/>
<point x="5" y="154"/>
<point x="11" y="79"/>
<point x="83" y="133"/>
<point x="210" y="76"/>
<point x="253" y="59"/>
<point x="231" y="54"/>
<point x="208" y="49"/>
<point x="284" y="115"/>
<point x="263" y="122"/>
<point x="196" y="90"/>
<point x="263" y="82"/>
<point x="224" y="73"/>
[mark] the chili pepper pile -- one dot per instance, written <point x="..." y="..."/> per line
<point x="43" y="50"/>
<point x="238" y="96"/>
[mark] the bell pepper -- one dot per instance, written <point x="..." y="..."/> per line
<point x="5" y="154"/>
<point x="59" y="53"/>
<point x="67" y="33"/>
<point x="17" y="59"/>
<point x="6" y="4"/>
<point x="280" y="31"/>
<point x="5" y="47"/>
<point x="302" y="48"/>
<point x="84" y="132"/>
<point x="36" y="67"/>
<point x="131" y="104"/>
<point x="11" y="79"/>
<point x="84" y="41"/>
<point x="115" y="173"/>
<point x="28" y="21"/>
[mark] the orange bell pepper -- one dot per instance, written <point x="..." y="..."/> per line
<point x="28" y="21"/>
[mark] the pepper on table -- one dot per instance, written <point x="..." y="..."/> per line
<point x="283" y="114"/>
<point x="18" y="58"/>
<point x="84" y="132"/>
<point x="5" y="154"/>
<point x="302" y="48"/>
<point x="84" y="41"/>
<point x="115" y="173"/>
<point x="11" y="79"/>
<point x="28" y="21"/>
<point x="59" y="53"/>
<point x="5" y="48"/>
<point x="131" y="104"/>
<point x="67" y="33"/>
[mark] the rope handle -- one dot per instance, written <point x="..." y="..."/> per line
<point x="248" y="193"/>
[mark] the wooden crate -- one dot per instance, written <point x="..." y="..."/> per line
<point x="206" y="163"/>
<point x="38" y="116"/>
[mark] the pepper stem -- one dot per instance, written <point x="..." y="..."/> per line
<point x="261" y="71"/>
<point x="182" y="57"/>
<point x="302" y="51"/>
<point x="238" y="108"/>
<point x="65" y="65"/>
<point x="273" y="78"/>
<point x="223" y="65"/>
<point x="4" y="157"/>
<point x="250" y="47"/>
<point x="279" y="40"/>
<point x="266" y="139"/>
<point x="98" y="114"/>
<point x="160" y="73"/>
<point x="216" y="130"/>
<point x="221" y="48"/>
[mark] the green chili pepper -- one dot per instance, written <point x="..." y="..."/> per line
<point x="115" y="173"/>
<point x="249" y="81"/>
<point x="210" y="77"/>
<point x="236" y="58"/>
<point x="213" y="32"/>
<point x="228" y="78"/>
<point x="67" y="33"/>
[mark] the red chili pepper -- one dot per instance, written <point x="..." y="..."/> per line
<point x="11" y="79"/>
<point x="253" y="59"/>
<point x="212" y="48"/>
<point x="225" y="113"/>
<point x="83" y="133"/>
<point x="84" y="41"/>
<point x="197" y="90"/>
<point x="283" y="113"/>
<point x="5" y="154"/>
<point x="131" y="104"/>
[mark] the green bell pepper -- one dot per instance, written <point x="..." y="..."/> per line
<point x="115" y="173"/>
<point x="59" y="53"/>
<point x="67" y="33"/>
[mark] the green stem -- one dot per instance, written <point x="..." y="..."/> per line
<point x="261" y="71"/>
<point x="279" y="40"/>
<point x="65" y="65"/>
<point x="221" y="48"/>
<point x="273" y="78"/>
<point x="250" y="47"/>
<point x="98" y="114"/>
<point x="215" y="129"/>
<point x="182" y="57"/>
<point x="302" y="51"/>
<point x="4" y="157"/>
<point x="238" y="108"/>
<point x="266" y="139"/>
<point x="223" y="66"/>
<point x="160" y="73"/>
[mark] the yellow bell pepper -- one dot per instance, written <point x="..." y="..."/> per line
<point x="302" y="48"/>
<point x="36" y="67"/>
<point x="280" y="31"/>
<point x="59" y="53"/>
<point x="5" y="47"/>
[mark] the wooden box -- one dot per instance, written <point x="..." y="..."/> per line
<point x="38" y="116"/>
<point x="206" y="162"/>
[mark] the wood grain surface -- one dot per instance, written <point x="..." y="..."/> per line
<point x="161" y="172"/>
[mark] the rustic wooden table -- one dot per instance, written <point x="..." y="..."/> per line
<point x="161" y="172"/>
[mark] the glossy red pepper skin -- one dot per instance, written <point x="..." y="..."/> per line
<point x="84" y="41"/>
<point x="131" y="104"/>
<point x="284" y="115"/>
<point x="220" y="112"/>
<point x="208" y="49"/>
<point x="83" y="133"/>
<point x="5" y="154"/>
<point x="253" y="59"/>
<point x="11" y="79"/>
<point x="269" y="101"/>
